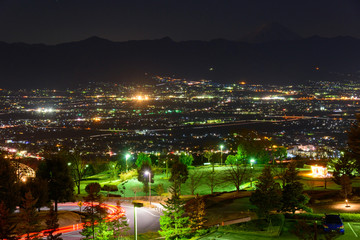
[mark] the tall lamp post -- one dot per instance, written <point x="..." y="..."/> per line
<point x="136" y="205"/>
<point x="252" y="161"/>
<point x="221" y="158"/>
<point x="148" y="173"/>
<point x="127" y="156"/>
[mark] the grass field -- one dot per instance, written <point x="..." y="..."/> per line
<point x="203" y="189"/>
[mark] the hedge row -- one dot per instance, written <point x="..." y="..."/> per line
<point x="348" y="217"/>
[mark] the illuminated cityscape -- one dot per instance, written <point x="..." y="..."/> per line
<point x="179" y="120"/>
<point x="176" y="115"/>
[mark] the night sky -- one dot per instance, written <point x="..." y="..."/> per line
<point x="56" y="21"/>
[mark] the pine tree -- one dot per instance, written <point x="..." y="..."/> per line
<point x="103" y="231"/>
<point x="6" y="226"/>
<point x="179" y="174"/>
<point x="345" y="165"/>
<point x="291" y="174"/>
<point x="94" y="210"/>
<point x="267" y="195"/>
<point x="120" y="227"/>
<point x="52" y="224"/>
<point x="196" y="212"/>
<point x="174" y="224"/>
<point x="292" y="195"/>
<point x="293" y="199"/>
<point x="29" y="219"/>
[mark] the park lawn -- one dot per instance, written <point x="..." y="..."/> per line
<point x="105" y="178"/>
<point x="203" y="189"/>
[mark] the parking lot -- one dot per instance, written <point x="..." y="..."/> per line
<point x="352" y="230"/>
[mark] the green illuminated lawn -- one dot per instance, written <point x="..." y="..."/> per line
<point x="105" y="178"/>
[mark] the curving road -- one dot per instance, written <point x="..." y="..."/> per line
<point x="147" y="219"/>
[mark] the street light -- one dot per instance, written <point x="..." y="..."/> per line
<point x="252" y="161"/>
<point x="149" y="173"/>
<point x="221" y="148"/>
<point x="136" y="205"/>
<point x="126" y="158"/>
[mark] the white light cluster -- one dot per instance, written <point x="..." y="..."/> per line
<point x="45" y="110"/>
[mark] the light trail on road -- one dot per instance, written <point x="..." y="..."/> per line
<point x="114" y="213"/>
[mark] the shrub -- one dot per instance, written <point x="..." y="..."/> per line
<point x="348" y="217"/>
<point x="128" y="175"/>
<point x="110" y="188"/>
<point x="157" y="170"/>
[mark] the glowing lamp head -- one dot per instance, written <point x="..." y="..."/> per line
<point x="146" y="173"/>
<point x="252" y="160"/>
<point x="127" y="156"/>
<point x="221" y="147"/>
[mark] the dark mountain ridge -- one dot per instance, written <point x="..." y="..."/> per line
<point x="271" y="32"/>
<point x="96" y="59"/>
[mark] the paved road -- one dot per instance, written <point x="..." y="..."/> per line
<point x="147" y="220"/>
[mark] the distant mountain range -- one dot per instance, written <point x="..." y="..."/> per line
<point x="271" y="32"/>
<point x="271" y="55"/>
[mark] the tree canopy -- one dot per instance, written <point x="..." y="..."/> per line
<point x="186" y="159"/>
<point x="267" y="195"/>
<point x="60" y="183"/>
<point x="143" y="158"/>
<point x="9" y="185"/>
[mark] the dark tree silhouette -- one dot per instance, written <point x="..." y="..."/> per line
<point x="52" y="224"/>
<point x="29" y="219"/>
<point x="78" y="167"/>
<point x="345" y="165"/>
<point x="39" y="189"/>
<point x="179" y="174"/>
<point x="60" y="183"/>
<point x="354" y="142"/>
<point x="6" y="225"/>
<point x="9" y="187"/>
<point x="94" y="210"/>
<point x="267" y="195"/>
<point x="141" y="159"/>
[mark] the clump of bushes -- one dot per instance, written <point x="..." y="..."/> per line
<point x="348" y="217"/>
<point x="125" y="176"/>
<point x="110" y="188"/>
<point x="256" y="224"/>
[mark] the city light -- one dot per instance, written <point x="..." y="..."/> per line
<point x="141" y="98"/>
<point x="319" y="172"/>
<point x="45" y="110"/>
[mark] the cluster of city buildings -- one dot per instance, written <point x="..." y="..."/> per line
<point x="177" y="115"/>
